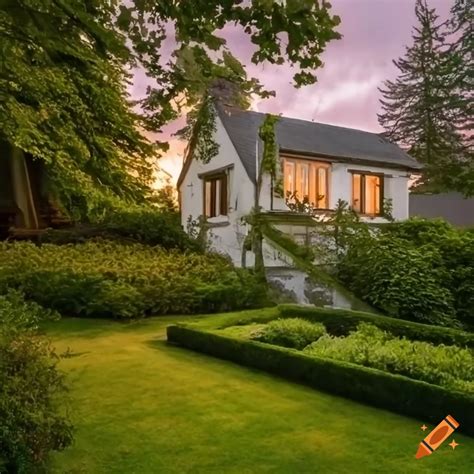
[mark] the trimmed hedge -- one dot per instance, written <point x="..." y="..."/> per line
<point x="392" y="392"/>
<point x="340" y="322"/>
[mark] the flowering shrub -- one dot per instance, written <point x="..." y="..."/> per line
<point x="450" y="366"/>
<point x="110" y="279"/>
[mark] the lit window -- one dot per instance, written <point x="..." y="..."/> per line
<point x="308" y="179"/>
<point x="215" y="196"/>
<point x="289" y="177"/>
<point x="367" y="193"/>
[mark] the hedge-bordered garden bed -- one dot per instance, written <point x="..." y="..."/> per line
<point x="396" y="393"/>
<point x="341" y="321"/>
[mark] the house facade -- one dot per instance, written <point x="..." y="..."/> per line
<point x="320" y="163"/>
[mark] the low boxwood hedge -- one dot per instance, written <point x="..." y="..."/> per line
<point x="340" y="322"/>
<point x="400" y="394"/>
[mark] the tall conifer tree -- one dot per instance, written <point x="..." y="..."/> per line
<point x="460" y="70"/>
<point x="416" y="112"/>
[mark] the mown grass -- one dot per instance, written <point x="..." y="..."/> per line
<point x="143" y="406"/>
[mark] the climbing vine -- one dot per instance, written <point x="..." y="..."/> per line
<point x="271" y="160"/>
<point x="206" y="147"/>
<point x="200" y="130"/>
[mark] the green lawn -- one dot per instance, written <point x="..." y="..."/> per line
<point x="142" y="406"/>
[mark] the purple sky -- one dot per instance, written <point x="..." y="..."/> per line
<point x="374" y="32"/>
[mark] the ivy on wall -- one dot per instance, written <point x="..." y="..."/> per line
<point x="206" y="146"/>
<point x="271" y="160"/>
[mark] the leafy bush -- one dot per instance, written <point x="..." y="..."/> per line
<point x="449" y="366"/>
<point x="391" y="392"/>
<point x="399" y="279"/>
<point x="292" y="332"/>
<point x="32" y="391"/>
<point x="144" y="225"/>
<point x="420" y="231"/>
<point x="111" y="279"/>
<point x="454" y="262"/>
<point x="340" y="322"/>
<point x="150" y="227"/>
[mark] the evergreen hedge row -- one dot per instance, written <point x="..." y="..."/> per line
<point x="396" y="393"/>
<point x="340" y="322"/>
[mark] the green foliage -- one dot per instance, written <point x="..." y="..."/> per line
<point x="32" y="391"/>
<point x="290" y="332"/>
<point x="150" y="227"/>
<point x="340" y="322"/>
<point x="453" y="252"/>
<point x="449" y="366"/>
<point x="271" y="163"/>
<point x="111" y="279"/>
<point x="416" y="269"/>
<point x="145" y="225"/>
<point x="399" y="279"/>
<point x="305" y="252"/>
<point x="343" y="228"/>
<point x="64" y="101"/>
<point x="391" y="392"/>
<point x="63" y="90"/>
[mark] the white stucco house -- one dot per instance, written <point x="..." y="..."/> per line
<point x="324" y="162"/>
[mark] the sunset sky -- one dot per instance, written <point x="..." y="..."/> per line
<point x="374" y="33"/>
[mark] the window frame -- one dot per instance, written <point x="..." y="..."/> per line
<point x="312" y="167"/>
<point x="214" y="179"/>
<point x="362" y="191"/>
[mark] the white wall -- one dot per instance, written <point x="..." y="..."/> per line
<point x="229" y="232"/>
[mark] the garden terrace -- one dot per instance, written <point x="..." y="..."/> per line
<point x="164" y="408"/>
<point x="379" y="388"/>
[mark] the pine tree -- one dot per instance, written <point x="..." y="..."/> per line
<point x="415" y="107"/>
<point x="460" y="70"/>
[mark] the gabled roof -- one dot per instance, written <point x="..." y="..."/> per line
<point x="312" y="139"/>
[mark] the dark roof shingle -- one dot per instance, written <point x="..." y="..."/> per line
<point x="311" y="138"/>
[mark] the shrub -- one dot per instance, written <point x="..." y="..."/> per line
<point x="150" y="227"/>
<point x="420" y="231"/>
<point x="449" y="366"/>
<point x="340" y="322"/>
<point x="32" y="391"/>
<point x="143" y="225"/>
<point x="111" y="279"/>
<point x="381" y="389"/>
<point x="292" y="332"/>
<point x="399" y="279"/>
<point x="455" y="258"/>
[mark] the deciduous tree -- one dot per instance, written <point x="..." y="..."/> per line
<point x="66" y="65"/>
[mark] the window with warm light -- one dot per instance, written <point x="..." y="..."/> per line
<point x="367" y="193"/>
<point x="305" y="178"/>
<point x="215" y="196"/>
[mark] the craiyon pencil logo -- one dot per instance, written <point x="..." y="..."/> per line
<point x="437" y="437"/>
